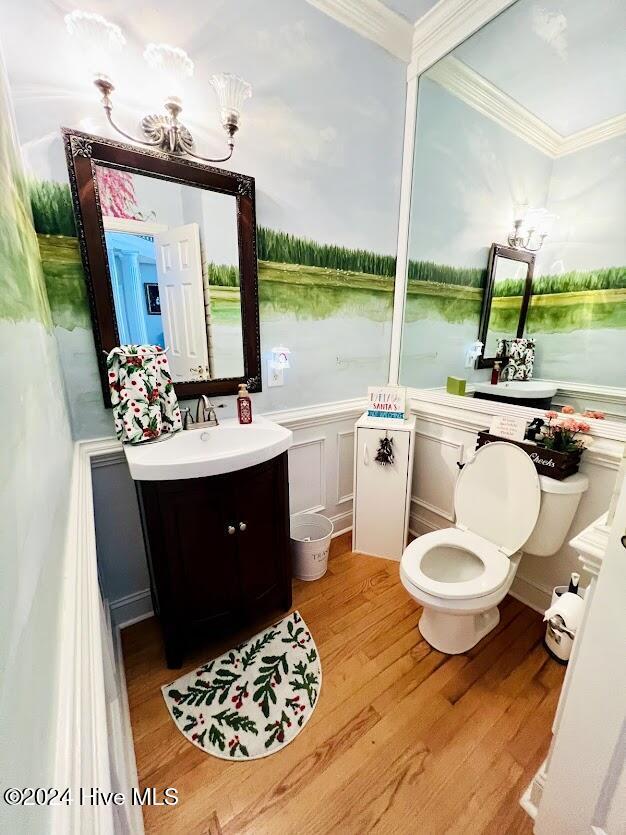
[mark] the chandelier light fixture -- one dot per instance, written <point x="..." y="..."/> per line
<point x="530" y="228"/>
<point x="102" y="42"/>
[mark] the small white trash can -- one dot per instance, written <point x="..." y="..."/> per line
<point x="310" y="544"/>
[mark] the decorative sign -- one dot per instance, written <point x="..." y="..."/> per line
<point x="510" y="428"/>
<point x="386" y="402"/>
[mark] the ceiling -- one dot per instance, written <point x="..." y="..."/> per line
<point x="560" y="59"/>
<point x="411" y="10"/>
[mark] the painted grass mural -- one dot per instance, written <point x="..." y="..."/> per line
<point x="340" y="280"/>
<point x="222" y="275"/>
<point x="611" y="278"/>
<point x="282" y="248"/>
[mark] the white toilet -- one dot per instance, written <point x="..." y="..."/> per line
<point x="460" y="574"/>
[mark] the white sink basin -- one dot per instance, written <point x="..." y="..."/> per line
<point x="519" y="389"/>
<point x="208" y="450"/>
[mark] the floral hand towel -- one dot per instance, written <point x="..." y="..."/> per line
<point x="142" y="393"/>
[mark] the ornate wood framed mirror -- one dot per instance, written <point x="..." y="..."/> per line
<point x="169" y="251"/>
<point x="509" y="279"/>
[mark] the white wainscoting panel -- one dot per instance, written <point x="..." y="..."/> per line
<point x="345" y="466"/>
<point x="435" y="470"/>
<point x="307" y="483"/>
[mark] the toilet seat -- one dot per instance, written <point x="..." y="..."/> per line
<point x="489" y="565"/>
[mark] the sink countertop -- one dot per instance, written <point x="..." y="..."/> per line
<point x="208" y="450"/>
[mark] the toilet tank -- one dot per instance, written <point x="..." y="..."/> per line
<point x="559" y="503"/>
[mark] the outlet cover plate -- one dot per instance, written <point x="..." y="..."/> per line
<point x="275" y="375"/>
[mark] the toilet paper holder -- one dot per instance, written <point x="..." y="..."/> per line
<point x="557" y="627"/>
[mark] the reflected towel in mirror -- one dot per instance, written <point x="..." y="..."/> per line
<point x="520" y="356"/>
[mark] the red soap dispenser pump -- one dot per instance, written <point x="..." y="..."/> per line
<point x="244" y="405"/>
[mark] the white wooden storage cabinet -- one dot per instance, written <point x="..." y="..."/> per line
<point x="382" y="494"/>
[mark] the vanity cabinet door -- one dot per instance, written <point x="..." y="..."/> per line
<point x="191" y="556"/>
<point x="260" y="498"/>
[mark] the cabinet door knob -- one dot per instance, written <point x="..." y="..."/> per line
<point x="230" y="530"/>
<point x="242" y="526"/>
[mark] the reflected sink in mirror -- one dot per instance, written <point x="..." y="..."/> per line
<point x="195" y="453"/>
<point x="533" y="393"/>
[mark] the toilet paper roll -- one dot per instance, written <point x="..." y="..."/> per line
<point x="570" y="607"/>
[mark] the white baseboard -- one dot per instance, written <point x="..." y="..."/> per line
<point x="531" y="798"/>
<point x="531" y="594"/>
<point x="130" y="609"/>
<point x="342" y="523"/>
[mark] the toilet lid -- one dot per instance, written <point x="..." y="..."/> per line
<point x="498" y="495"/>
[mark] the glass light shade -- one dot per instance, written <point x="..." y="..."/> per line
<point x="231" y="92"/>
<point x="519" y="211"/>
<point x="173" y="63"/>
<point x="100" y="40"/>
<point x="547" y="224"/>
<point x="534" y="220"/>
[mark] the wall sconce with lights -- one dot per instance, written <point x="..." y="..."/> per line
<point x="530" y="228"/>
<point x="103" y="41"/>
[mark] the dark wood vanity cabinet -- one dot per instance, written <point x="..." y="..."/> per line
<point x="218" y="550"/>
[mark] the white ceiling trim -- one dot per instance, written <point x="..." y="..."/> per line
<point x="374" y="21"/>
<point x="447" y="25"/>
<point x="591" y="136"/>
<point x="469" y="86"/>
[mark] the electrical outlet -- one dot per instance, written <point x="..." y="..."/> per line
<point x="275" y="375"/>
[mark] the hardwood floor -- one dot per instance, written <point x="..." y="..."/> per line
<point x="404" y="739"/>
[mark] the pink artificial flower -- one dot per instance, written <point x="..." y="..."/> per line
<point x="117" y="192"/>
<point x="569" y="425"/>
<point x="583" y="427"/>
<point x="568" y="410"/>
<point x="552" y="414"/>
<point x="591" y="413"/>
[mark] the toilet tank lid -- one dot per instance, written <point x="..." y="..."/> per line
<point x="577" y="483"/>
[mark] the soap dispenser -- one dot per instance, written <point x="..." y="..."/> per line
<point x="244" y="405"/>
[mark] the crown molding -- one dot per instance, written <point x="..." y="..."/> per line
<point x="372" y="20"/>
<point x="472" y="88"/>
<point x="467" y="85"/>
<point x="446" y="25"/>
<point x="601" y="132"/>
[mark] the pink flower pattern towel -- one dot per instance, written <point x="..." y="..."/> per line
<point x="142" y="393"/>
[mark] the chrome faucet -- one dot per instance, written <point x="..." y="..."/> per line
<point x="205" y="412"/>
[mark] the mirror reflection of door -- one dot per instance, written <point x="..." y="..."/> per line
<point x="179" y="270"/>
<point x="507" y="301"/>
<point x="183" y="239"/>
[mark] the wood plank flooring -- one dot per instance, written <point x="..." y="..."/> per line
<point x="404" y="739"/>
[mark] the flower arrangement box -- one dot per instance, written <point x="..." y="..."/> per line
<point x="550" y="462"/>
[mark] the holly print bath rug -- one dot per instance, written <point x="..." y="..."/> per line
<point x="254" y="699"/>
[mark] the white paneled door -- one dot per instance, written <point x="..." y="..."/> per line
<point x="179" y="270"/>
